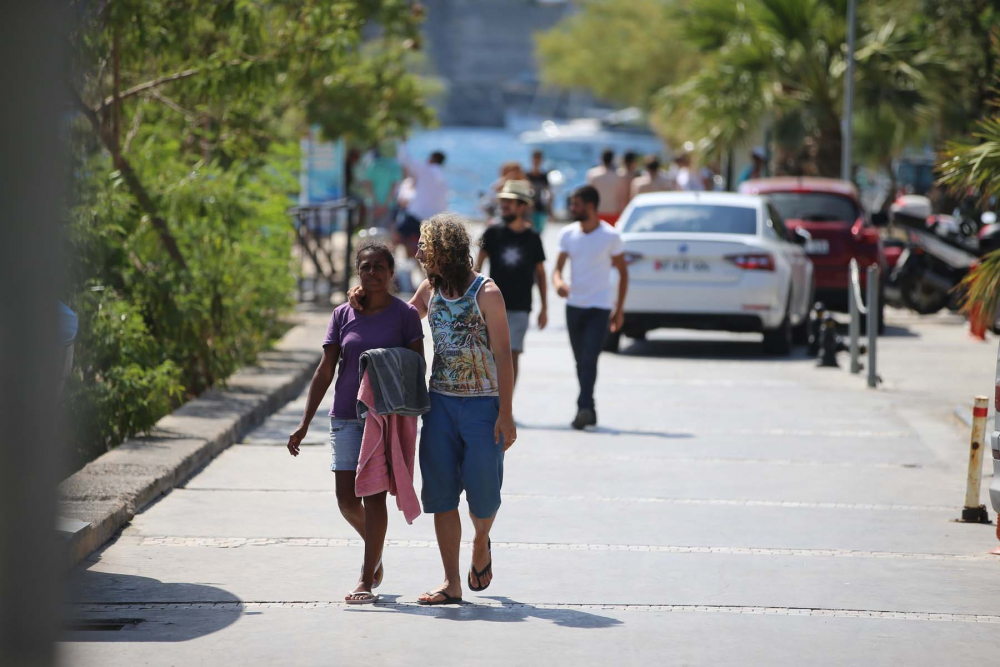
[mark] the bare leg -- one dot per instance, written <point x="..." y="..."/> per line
<point x="448" y="527"/>
<point x="480" y="548"/>
<point x="515" y="355"/>
<point x="376" y="523"/>
<point x="350" y="504"/>
<point x="354" y="511"/>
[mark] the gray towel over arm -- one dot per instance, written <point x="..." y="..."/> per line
<point x="398" y="379"/>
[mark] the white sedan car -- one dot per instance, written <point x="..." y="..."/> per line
<point x="714" y="261"/>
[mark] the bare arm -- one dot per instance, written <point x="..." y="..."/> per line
<point x="421" y="298"/>
<point x="495" y="313"/>
<point x="480" y="260"/>
<point x="618" y="315"/>
<point x="321" y="380"/>
<point x="543" y="292"/>
<point x="417" y="346"/>
<point x="562" y="288"/>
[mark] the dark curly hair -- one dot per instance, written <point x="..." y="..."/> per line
<point x="377" y="247"/>
<point x="447" y="252"/>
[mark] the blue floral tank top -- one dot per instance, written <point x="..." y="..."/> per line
<point x="463" y="362"/>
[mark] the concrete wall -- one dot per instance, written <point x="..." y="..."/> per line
<point x="483" y="50"/>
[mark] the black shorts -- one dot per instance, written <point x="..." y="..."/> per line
<point x="409" y="227"/>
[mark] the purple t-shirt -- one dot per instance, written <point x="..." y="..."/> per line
<point x="396" y="326"/>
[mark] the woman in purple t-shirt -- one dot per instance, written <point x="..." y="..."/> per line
<point x="385" y="322"/>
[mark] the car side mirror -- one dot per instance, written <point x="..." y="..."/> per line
<point x="801" y="236"/>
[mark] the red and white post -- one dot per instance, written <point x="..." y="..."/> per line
<point x="974" y="512"/>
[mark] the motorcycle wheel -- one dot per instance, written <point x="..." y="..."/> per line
<point x="922" y="297"/>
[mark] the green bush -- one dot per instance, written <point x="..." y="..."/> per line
<point x="150" y="333"/>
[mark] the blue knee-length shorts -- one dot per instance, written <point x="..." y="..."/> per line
<point x="458" y="452"/>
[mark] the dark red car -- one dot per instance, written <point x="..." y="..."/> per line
<point x="829" y="209"/>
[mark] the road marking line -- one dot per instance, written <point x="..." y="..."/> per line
<point x="679" y="433"/>
<point x="527" y="607"/>
<point x="239" y="542"/>
<point x="726" y="502"/>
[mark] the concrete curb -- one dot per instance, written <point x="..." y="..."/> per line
<point x="107" y="492"/>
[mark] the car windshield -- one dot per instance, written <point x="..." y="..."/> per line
<point x="692" y="218"/>
<point x="814" y="206"/>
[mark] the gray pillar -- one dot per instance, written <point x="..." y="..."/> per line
<point x="33" y="118"/>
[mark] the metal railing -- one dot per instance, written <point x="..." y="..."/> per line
<point x="317" y="233"/>
<point x="858" y="308"/>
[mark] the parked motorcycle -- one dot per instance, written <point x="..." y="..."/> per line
<point x="940" y="252"/>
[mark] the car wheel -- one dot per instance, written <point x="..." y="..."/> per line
<point x="613" y="342"/>
<point x="779" y="341"/>
<point x="800" y="333"/>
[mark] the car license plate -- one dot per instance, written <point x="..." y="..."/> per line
<point x="682" y="266"/>
<point x="818" y="247"/>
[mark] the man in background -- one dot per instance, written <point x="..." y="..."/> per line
<point x="611" y="187"/>
<point x="592" y="248"/>
<point x="653" y="180"/>
<point x="430" y="197"/>
<point x="542" y="193"/>
<point x="517" y="263"/>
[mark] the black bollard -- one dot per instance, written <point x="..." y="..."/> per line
<point x="815" y="320"/>
<point x="829" y="343"/>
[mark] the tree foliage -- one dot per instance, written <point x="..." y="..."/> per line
<point x="780" y="65"/>
<point x="619" y="51"/>
<point x="185" y="149"/>
<point x="973" y="165"/>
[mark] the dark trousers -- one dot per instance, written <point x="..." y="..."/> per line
<point x="588" y="329"/>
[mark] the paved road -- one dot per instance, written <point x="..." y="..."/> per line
<point x="730" y="509"/>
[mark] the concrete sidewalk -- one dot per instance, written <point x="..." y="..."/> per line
<point x="731" y="509"/>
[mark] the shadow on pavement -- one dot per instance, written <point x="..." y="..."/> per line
<point x="99" y="612"/>
<point x="603" y="430"/>
<point x="729" y="350"/>
<point x="512" y="611"/>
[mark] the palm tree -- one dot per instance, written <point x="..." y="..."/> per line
<point x="783" y="61"/>
<point x="974" y="166"/>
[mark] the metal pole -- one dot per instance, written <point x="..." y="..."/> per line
<point x="351" y="211"/>
<point x="873" y="310"/>
<point x="854" y="329"/>
<point x="845" y="122"/>
<point x="974" y="512"/>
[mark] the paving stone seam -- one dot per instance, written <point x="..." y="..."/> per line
<point x="621" y="458"/>
<point x="729" y="502"/>
<point x="240" y="542"/>
<point x="520" y="606"/>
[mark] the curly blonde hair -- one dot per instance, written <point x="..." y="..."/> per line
<point x="447" y="252"/>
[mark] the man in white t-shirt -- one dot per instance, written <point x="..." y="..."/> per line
<point x="593" y="247"/>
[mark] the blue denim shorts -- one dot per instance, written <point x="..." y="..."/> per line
<point x="345" y="443"/>
<point x="458" y="452"/>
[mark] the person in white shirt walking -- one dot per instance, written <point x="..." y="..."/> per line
<point x="687" y="178"/>
<point x="611" y="186"/>
<point x="430" y="197"/>
<point x="593" y="247"/>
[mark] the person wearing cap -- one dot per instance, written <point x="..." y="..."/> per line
<point x="514" y="250"/>
<point x="757" y="168"/>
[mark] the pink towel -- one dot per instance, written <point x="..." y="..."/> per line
<point x="398" y="435"/>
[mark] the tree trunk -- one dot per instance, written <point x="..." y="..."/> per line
<point x="828" y="146"/>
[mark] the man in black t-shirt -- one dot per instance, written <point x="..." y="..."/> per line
<point x="517" y="259"/>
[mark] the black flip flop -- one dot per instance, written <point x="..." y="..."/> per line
<point x="473" y="572"/>
<point x="447" y="600"/>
